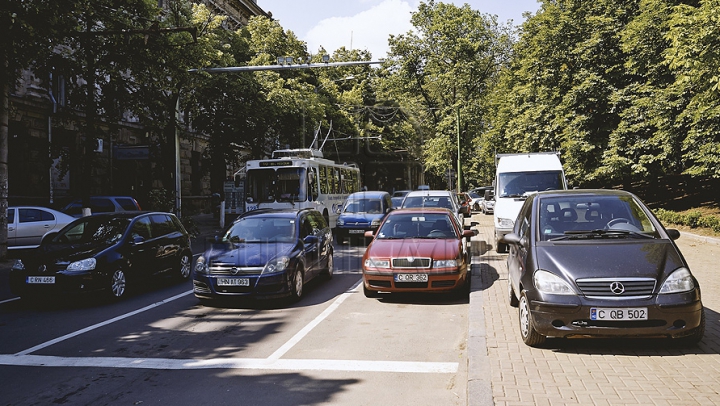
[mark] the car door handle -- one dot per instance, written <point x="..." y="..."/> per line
<point x="11" y="228"/>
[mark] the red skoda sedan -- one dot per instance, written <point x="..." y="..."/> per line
<point x="417" y="250"/>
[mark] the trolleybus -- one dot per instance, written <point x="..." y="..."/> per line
<point x="300" y="178"/>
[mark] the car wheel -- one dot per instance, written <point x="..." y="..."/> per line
<point x="527" y="331"/>
<point x="328" y="272"/>
<point x="697" y="335"/>
<point x="511" y="295"/>
<point x="298" y="282"/>
<point x="372" y="294"/>
<point x="185" y="267"/>
<point x="118" y="284"/>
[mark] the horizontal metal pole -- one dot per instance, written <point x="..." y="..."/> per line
<point x="283" y="67"/>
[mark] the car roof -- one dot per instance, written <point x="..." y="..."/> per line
<point x="430" y="193"/>
<point x="124" y="214"/>
<point x="275" y="212"/>
<point x="584" y="192"/>
<point x="368" y="194"/>
<point x="421" y="210"/>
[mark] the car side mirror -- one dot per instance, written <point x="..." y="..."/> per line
<point x="468" y="233"/>
<point x="673" y="233"/>
<point x="310" y="239"/>
<point x="138" y="239"/>
<point x="515" y="239"/>
<point x="338" y="210"/>
<point x="48" y="237"/>
<point x="369" y="234"/>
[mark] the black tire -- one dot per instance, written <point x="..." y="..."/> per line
<point x="184" y="267"/>
<point x="372" y="294"/>
<point x="512" y="298"/>
<point x="117" y="287"/>
<point x="696" y="336"/>
<point x="298" y="283"/>
<point x="329" y="270"/>
<point x="529" y="335"/>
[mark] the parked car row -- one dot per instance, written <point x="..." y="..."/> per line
<point x="28" y="225"/>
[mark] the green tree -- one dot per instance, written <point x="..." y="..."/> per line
<point x="445" y="67"/>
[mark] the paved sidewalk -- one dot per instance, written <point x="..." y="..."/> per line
<point x="587" y="372"/>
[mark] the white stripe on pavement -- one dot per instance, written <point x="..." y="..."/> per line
<point x="104" y="323"/>
<point x="233" y="363"/>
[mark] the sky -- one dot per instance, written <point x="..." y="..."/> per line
<point x="367" y="24"/>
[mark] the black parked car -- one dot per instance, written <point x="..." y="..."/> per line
<point x="105" y="252"/>
<point x="266" y="253"/>
<point x="597" y="263"/>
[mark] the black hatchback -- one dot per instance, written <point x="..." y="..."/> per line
<point x="105" y="252"/>
<point x="597" y="263"/>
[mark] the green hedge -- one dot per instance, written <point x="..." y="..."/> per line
<point x="692" y="219"/>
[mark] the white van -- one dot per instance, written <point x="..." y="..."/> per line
<point x="517" y="176"/>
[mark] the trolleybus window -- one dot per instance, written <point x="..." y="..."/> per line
<point x="283" y="184"/>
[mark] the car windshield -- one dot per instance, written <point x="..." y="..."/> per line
<point x="363" y="206"/>
<point x="516" y="184"/>
<point x="427" y="201"/>
<point x="261" y="229"/>
<point x="93" y="230"/>
<point x="417" y="225"/>
<point x="593" y="217"/>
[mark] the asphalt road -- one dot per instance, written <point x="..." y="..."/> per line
<point x="161" y="346"/>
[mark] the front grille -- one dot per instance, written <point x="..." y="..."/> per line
<point x="603" y="287"/>
<point x="411" y="262"/>
<point x="227" y="269"/>
<point x="411" y="285"/>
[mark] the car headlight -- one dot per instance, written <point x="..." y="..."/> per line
<point x="276" y="265"/>
<point x="201" y="265"/>
<point x="678" y="281"/>
<point x="377" y="263"/>
<point x="505" y="223"/>
<point x="445" y="263"/>
<point x="375" y="223"/>
<point x="18" y="265"/>
<point x="340" y="222"/>
<point x="547" y="282"/>
<point x="82" y="265"/>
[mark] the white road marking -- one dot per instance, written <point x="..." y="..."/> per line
<point x="305" y="330"/>
<point x="104" y="323"/>
<point x="9" y="300"/>
<point x="273" y="362"/>
<point x="232" y="363"/>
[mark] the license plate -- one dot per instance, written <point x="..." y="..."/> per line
<point x="411" y="277"/>
<point x="233" y="282"/>
<point x="356" y="231"/>
<point x="618" y="313"/>
<point x="45" y="280"/>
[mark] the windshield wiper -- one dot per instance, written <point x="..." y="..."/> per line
<point x="599" y="233"/>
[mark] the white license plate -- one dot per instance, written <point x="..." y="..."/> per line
<point x="411" y="277"/>
<point x="233" y="282"/>
<point x="356" y="231"/>
<point x="45" y="280"/>
<point x="618" y="313"/>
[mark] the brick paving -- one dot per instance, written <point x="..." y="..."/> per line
<point x="594" y="371"/>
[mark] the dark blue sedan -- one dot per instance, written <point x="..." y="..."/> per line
<point x="266" y="253"/>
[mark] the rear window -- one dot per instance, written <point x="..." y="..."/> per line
<point x="127" y="203"/>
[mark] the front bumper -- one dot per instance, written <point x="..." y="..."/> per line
<point x="265" y="286"/>
<point x="65" y="283"/>
<point x="670" y="316"/>
<point x="438" y="282"/>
